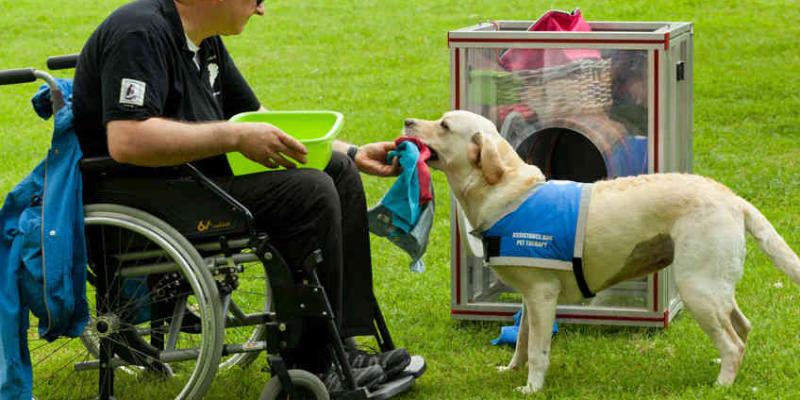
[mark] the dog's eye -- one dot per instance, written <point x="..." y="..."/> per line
<point x="444" y="126"/>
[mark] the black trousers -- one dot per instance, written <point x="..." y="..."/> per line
<point x="303" y="210"/>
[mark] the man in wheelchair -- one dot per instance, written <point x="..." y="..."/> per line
<point x="153" y="88"/>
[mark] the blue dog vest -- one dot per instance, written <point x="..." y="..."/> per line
<point x="545" y="231"/>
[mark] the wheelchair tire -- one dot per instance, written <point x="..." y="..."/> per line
<point x="310" y="386"/>
<point x="142" y="276"/>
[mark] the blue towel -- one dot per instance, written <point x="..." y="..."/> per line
<point x="402" y="199"/>
<point x="399" y="216"/>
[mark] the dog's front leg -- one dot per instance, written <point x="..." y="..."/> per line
<point x="540" y="306"/>
<point x="521" y="350"/>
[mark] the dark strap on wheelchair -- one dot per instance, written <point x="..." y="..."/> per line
<point x="577" y="269"/>
<point x="491" y="248"/>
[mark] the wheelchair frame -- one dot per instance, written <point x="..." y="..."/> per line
<point x="289" y="299"/>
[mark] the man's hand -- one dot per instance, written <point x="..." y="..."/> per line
<point x="268" y="145"/>
<point x="371" y="159"/>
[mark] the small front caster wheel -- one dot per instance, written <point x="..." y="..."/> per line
<point x="307" y="385"/>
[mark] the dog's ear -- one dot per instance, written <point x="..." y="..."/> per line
<point x="484" y="154"/>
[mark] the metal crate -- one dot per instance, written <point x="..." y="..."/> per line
<point x="613" y="102"/>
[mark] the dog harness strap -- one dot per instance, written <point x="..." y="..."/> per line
<point x="577" y="259"/>
<point x="491" y="247"/>
<point x="577" y="269"/>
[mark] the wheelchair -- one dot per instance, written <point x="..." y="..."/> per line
<point x="176" y="296"/>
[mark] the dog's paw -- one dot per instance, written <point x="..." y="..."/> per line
<point x="724" y="381"/>
<point x="528" y="389"/>
<point x="506" y="368"/>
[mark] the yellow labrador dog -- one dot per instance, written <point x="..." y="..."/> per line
<point x="634" y="226"/>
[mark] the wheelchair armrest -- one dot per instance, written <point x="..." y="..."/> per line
<point x="106" y="165"/>
<point x="101" y="164"/>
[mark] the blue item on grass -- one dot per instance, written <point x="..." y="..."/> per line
<point x="508" y="334"/>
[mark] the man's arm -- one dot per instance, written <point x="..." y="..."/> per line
<point x="158" y="142"/>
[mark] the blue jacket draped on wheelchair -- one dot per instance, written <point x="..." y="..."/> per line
<point x="43" y="251"/>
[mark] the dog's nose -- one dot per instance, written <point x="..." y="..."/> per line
<point x="409" y="122"/>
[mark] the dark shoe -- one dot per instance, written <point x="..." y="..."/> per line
<point x="369" y="377"/>
<point x="393" y="362"/>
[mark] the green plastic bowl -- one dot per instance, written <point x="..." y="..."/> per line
<point x="315" y="129"/>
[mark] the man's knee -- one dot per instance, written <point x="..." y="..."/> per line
<point x="343" y="170"/>
<point x="318" y="193"/>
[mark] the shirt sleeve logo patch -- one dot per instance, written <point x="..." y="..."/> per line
<point x="132" y="92"/>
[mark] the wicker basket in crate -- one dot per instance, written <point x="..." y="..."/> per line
<point x="580" y="87"/>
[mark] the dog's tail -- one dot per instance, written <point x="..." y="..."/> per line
<point x="771" y="242"/>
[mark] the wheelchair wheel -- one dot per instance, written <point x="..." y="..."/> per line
<point x="308" y="385"/>
<point x="143" y="277"/>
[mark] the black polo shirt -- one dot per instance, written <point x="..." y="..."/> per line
<point x="137" y="65"/>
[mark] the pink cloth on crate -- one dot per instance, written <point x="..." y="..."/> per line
<point x="551" y="21"/>
<point x="423" y="173"/>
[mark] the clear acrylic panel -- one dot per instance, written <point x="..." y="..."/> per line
<point x="577" y="114"/>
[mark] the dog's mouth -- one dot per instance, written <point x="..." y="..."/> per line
<point x="434" y="155"/>
<point x="408" y="131"/>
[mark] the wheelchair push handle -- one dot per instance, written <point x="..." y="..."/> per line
<point x="15" y="76"/>
<point x="25" y="75"/>
<point x="62" y="62"/>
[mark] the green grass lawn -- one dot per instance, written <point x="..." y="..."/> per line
<point x="379" y="61"/>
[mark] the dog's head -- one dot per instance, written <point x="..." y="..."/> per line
<point x="485" y="173"/>
<point x="462" y="141"/>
